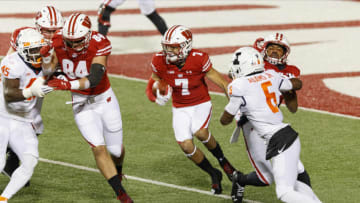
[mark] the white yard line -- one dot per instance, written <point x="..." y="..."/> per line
<point x="222" y="94"/>
<point x="143" y="180"/>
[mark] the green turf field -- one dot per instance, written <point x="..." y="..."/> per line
<point x="330" y="153"/>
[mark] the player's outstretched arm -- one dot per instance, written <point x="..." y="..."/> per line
<point x="218" y="79"/>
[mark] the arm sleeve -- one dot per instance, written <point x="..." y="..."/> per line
<point x="236" y="97"/>
<point x="234" y="105"/>
<point x="206" y="63"/>
<point x="103" y="46"/>
<point x="148" y="90"/>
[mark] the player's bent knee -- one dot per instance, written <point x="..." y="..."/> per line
<point x="202" y="134"/>
<point x="187" y="146"/>
<point x="114" y="150"/>
<point x="29" y="163"/>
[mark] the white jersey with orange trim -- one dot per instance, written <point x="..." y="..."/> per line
<point x="257" y="96"/>
<point x="13" y="67"/>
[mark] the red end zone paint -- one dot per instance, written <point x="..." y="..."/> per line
<point x="316" y="95"/>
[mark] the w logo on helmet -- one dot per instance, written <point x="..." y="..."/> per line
<point x="87" y="22"/>
<point x="187" y="34"/>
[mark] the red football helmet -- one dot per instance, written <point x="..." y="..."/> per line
<point x="48" y="20"/>
<point x="177" y="43"/>
<point x="261" y="44"/>
<point x="77" y="32"/>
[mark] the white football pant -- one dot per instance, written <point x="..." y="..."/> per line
<point x="99" y="120"/>
<point x="22" y="139"/>
<point x="188" y="120"/>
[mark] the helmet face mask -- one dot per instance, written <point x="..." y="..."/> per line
<point x="77" y="32"/>
<point x="272" y="41"/>
<point x="77" y="44"/>
<point x="246" y="61"/>
<point x="177" y="44"/>
<point x="30" y="42"/>
<point x="48" y="20"/>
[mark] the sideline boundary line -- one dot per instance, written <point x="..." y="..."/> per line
<point x="221" y="94"/>
<point x="154" y="182"/>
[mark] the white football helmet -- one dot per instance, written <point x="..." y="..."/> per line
<point x="246" y="60"/>
<point x="30" y="42"/>
<point x="278" y="39"/>
<point x="48" y="19"/>
<point x="177" y="36"/>
<point x="77" y="32"/>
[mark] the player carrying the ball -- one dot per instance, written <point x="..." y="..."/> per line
<point x="184" y="69"/>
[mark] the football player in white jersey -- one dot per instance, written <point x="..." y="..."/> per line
<point x="147" y="8"/>
<point x="274" y="48"/>
<point x="256" y="93"/>
<point x="22" y="85"/>
<point x="48" y="20"/>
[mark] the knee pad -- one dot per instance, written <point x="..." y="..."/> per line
<point x="207" y="140"/>
<point x="114" y="150"/>
<point x="192" y="153"/>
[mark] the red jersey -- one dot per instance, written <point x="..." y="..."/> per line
<point x="188" y="83"/>
<point x="77" y="65"/>
<point x="289" y="70"/>
<point x="14" y="35"/>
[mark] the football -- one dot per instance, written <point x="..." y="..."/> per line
<point x="161" y="85"/>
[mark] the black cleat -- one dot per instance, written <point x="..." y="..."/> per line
<point x="124" y="197"/>
<point x="216" y="182"/>
<point x="237" y="191"/>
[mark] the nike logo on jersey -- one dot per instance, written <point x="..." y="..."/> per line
<point x="282" y="149"/>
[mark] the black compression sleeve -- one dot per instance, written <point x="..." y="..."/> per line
<point x="96" y="73"/>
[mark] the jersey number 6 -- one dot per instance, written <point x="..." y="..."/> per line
<point x="270" y="96"/>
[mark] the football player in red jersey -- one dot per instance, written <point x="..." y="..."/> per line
<point x="82" y="55"/>
<point x="185" y="70"/>
<point x="147" y="8"/>
<point x="47" y="21"/>
<point x="275" y="49"/>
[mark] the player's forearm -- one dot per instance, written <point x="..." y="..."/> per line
<point x="13" y="95"/>
<point x="226" y="118"/>
<point x="291" y="101"/>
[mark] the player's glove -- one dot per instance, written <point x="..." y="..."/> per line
<point x="37" y="89"/>
<point x="59" y="84"/>
<point x="46" y="52"/>
<point x="162" y="99"/>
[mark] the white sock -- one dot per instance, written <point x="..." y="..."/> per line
<point x="305" y="189"/>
